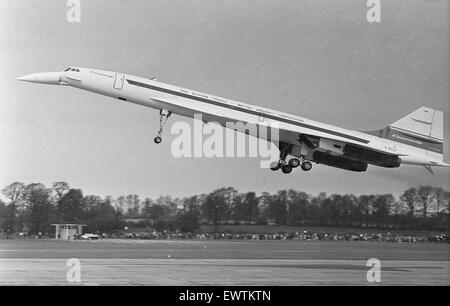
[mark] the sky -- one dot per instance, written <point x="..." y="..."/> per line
<point x="317" y="59"/>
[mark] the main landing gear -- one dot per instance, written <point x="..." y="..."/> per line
<point x="306" y="166"/>
<point x="164" y="114"/>
<point x="287" y="167"/>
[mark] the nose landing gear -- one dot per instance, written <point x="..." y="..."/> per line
<point x="164" y="114"/>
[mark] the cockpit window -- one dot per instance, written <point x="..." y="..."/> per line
<point x="67" y="69"/>
<point x="74" y="69"/>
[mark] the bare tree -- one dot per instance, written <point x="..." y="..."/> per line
<point x="411" y="199"/>
<point x="264" y="206"/>
<point x="38" y="207"/>
<point x="427" y="198"/>
<point x="15" y="194"/>
<point x="133" y="203"/>
<point x="442" y="200"/>
<point x="119" y="205"/>
<point x="365" y="208"/>
<point x="217" y="204"/>
<point x="60" y="189"/>
<point x="382" y="208"/>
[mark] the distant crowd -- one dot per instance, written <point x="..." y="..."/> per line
<point x="303" y="236"/>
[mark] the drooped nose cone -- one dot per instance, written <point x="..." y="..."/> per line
<point x="52" y="78"/>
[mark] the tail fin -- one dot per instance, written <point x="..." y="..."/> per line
<point x="423" y="128"/>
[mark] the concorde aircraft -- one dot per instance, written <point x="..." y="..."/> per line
<point x="415" y="139"/>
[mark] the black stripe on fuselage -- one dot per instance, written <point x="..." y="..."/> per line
<point x="252" y="112"/>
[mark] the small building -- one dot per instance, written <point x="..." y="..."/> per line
<point x="68" y="231"/>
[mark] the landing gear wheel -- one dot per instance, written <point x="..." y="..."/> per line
<point x="286" y="169"/>
<point x="164" y="114"/>
<point x="294" y="162"/>
<point x="306" y="166"/>
<point x="274" y="166"/>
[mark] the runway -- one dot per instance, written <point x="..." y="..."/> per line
<point x="143" y="262"/>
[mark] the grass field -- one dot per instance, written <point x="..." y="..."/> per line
<point x="222" y="262"/>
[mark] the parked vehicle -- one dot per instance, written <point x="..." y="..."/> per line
<point x="89" y="236"/>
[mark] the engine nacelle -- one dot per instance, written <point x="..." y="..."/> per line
<point x="339" y="162"/>
<point x="372" y="157"/>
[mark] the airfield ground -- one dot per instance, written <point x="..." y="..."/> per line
<point x="222" y="262"/>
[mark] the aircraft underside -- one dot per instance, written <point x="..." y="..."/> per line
<point x="311" y="149"/>
<point x="354" y="158"/>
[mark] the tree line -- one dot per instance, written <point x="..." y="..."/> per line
<point x="34" y="207"/>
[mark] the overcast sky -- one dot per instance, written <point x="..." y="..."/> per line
<point x="317" y="59"/>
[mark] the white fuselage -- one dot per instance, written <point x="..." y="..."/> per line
<point x="186" y="102"/>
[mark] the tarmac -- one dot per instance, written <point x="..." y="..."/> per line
<point x="220" y="262"/>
